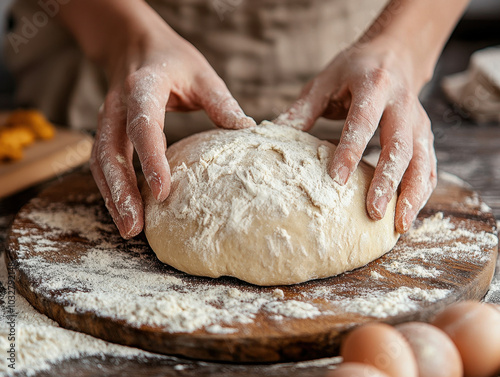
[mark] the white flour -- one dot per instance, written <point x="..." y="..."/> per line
<point x="40" y="341"/>
<point x="401" y="300"/>
<point x="128" y="284"/>
<point x="438" y="229"/>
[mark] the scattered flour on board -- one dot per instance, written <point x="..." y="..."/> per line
<point x="40" y="341"/>
<point x="105" y="274"/>
<point x="375" y="275"/>
<point x="401" y="300"/>
<point x="452" y="244"/>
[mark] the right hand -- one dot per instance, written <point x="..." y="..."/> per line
<point x="153" y="72"/>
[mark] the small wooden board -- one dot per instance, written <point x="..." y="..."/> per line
<point x="45" y="159"/>
<point x="458" y="262"/>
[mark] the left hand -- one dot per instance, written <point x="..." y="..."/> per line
<point x="373" y="85"/>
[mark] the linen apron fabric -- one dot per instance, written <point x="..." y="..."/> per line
<point x="265" y="51"/>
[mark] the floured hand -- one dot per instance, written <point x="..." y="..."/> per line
<point x="157" y="72"/>
<point x="370" y="86"/>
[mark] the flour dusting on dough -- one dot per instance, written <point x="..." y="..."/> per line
<point x="258" y="204"/>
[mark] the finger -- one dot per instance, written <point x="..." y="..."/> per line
<point x="308" y="107"/>
<point x="418" y="182"/>
<point x="219" y="104"/>
<point x="396" y="140"/>
<point x="146" y="97"/>
<point x="114" y="154"/>
<point x="362" y="120"/>
<point x="102" y="185"/>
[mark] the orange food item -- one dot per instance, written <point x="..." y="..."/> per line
<point x="10" y="152"/>
<point x="33" y="119"/>
<point x="21" y="129"/>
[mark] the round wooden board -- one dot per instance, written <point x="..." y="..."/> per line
<point x="426" y="271"/>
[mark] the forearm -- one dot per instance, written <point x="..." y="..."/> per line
<point x="106" y="29"/>
<point x="420" y="28"/>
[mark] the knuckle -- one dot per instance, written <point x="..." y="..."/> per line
<point x="421" y="166"/>
<point x="380" y="77"/>
<point x="102" y="154"/>
<point x="98" y="151"/>
<point x="102" y="158"/>
<point x="420" y="178"/>
<point x="131" y="81"/>
<point x="400" y="149"/>
<point x="405" y="149"/>
<point x="405" y="99"/>
<point x="350" y="156"/>
<point x="135" y="128"/>
<point x="148" y="162"/>
<point x="361" y="117"/>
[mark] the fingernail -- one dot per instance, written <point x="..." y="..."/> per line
<point x="157" y="189"/>
<point x="342" y="175"/>
<point x="155" y="184"/>
<point x="407" y="221"/>
<point x="380" y="206"/>
<point x="129" y="223"/>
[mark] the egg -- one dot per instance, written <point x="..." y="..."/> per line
<point x="434" y="351"/>
<point x="356" y="370"/>
<point x="475" y="330"/>
<point x="381" y="346"/>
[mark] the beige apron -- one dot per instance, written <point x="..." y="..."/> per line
<point x="265" y="50"/>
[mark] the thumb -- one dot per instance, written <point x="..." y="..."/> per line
<point x="220" y="105"/>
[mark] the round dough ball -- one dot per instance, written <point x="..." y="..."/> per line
<point x="258" y="204"/>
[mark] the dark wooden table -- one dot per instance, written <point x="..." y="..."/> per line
<point x="464" y="148"/>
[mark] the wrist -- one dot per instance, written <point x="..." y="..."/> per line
<point x="113" y="31"/>
<point x="416" y="34"/>
<point x="392" y="54"/>
<point x="417" y="67"/>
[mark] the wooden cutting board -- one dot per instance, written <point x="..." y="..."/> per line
<point x="45" y="159"/>
<point x="72" y="266"/>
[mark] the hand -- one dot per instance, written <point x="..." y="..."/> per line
<point x="157" y="72"/>
<point x="373" y="85"/>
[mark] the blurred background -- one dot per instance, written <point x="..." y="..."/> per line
<point x="479" y="27"/>
<point x="6" y="81"/>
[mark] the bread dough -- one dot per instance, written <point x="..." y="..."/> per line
<point x="259" y="205"/>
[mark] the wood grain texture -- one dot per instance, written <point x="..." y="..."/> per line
<point x="45" y="159"/>
<point x="264" y="340"/>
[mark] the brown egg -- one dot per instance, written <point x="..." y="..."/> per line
<point x="436" y="354"/>
<point x="475" y="330"/>
<point x="356" y="370"/>
<point x="381" y="346"/>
